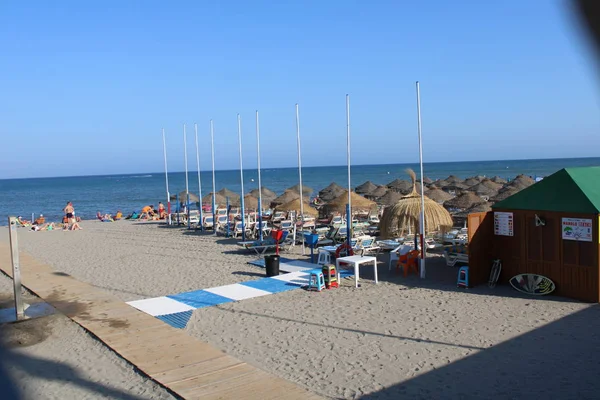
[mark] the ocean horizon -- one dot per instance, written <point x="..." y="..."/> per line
<point x="129" y="192"/>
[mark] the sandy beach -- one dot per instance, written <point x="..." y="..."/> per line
<point x="405" y="337"/>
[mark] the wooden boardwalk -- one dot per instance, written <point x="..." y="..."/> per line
<point x="185" y="365"/>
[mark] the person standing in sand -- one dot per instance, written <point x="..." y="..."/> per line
<point x="69" y="212"/>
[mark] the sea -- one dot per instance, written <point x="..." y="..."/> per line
<point x="130" y="192"/>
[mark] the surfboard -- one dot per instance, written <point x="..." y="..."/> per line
<point x="532" y="284"/>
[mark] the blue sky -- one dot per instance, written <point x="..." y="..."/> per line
<point x="86" y="88"/>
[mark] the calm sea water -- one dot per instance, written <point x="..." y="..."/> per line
<point x="90" y="194"/>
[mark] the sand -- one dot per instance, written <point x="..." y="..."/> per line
<point x="53" y="358"/>
<point x="405" y="337"/>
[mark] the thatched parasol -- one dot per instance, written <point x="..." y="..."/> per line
<point x="400" y="186"/>
<point x="504" y="194"/>
<point x="365" y="188"/>
<point x="483" y="207"/>
<point x="266" y="193"/>
<point x="228" y="193"/>
<point x="520" y="182"/>
<point x="441" y="183"/>
<point x="390" y="198"/>
<point x="453" y="179"/>
<point x="305" y="189"/>
<point x="406" y="213"/>
<point x="294" y="205"/>
<point x="286" y="197"/>
<point x="455" y="187"/>
<point x="182" y="197"/>
<point x="472" y="181"/>
<point x="250" y="202"/>
<point x="219" y="199"/>
<point x="464" y="201"/>
<point x="377" y="193"/>
<point x="498" y="179"/>
<point x="491" y="184"/>
<point x="483" y="190"/>
<point x="331" y="192"/>
<point x="358" y="203"/>
<point x="438" y="195"/>
<point x="427" y="181"/>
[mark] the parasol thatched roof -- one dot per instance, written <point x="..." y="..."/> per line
<point x="520" y="182"/>
<point x="305" y="189"/>
<point x="405" y="214"/>
<point x="365" y="188"/>
<point x="377" y="193"/>
<point x="182" y="197"/>
<point x="458" y="186"/>
<point x="438" y="195"/>
<point x="250" y="202"/>
<point x="390" y="198"/>
<point x="229" y="193"/>
<point x="491" y="184"/>
<point x="427" y="181"/>
<point x="504" y="194"/>
<point x="294" y="205"/>
<point x="219" y="199"/>
<point x="498" y="179"/>
<point x="358" y="203"/>
<point x="400" y="185"/>
<point x="483" y="207"/>
<point x="453" y="179"/>
<point x="266" y="193"/>
<point x="286" y="197"/>
<point x="441" y="183"/>
<point x="472" y="181"/>
<point x="331" y="192"/>
<point x="464" y="201"/>
<point x="483" y="190"/>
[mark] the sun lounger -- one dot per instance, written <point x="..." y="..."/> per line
<point x="261" y="246"/>
<point x="457" y="254"/>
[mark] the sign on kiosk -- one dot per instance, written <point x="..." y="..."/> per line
<point x="577" y="229"/>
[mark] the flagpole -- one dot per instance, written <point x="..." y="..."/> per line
<point x="212" y="152"/>
<point x="260" y="232"/>
<point x="187" y="190"/>
<point x="349" y="210"/>
<point x="199" y="178"/>
<point x="166" y="178"/>
<point x="300" y="178"/>
<point x="422" y="216"/>
<point x="239" y="121"/>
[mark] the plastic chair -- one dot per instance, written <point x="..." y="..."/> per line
<point x="409" y="262"/>
<point x="324" y="257"/>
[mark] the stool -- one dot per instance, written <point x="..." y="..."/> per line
<point x="316" y="281"/>
<point x="463" y="277"/>
<point x="324" y="257"/>
<point x="330" y="275"/>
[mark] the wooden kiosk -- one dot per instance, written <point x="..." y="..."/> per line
<point x="550" y="228"/>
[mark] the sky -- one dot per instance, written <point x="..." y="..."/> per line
<point x="86" y="87"/>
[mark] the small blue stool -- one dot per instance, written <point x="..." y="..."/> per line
<point x="463" y="277"/>
<point x="316" y="281"/>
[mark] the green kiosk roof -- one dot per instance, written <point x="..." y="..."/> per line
<point x="574" y="190"/>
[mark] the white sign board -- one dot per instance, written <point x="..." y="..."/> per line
<point x="577" y="229"/>
<point x="503" y="223"/>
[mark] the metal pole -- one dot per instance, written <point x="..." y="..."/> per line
<point x="187" y="190"/>
<point x="166" y="178"/>
<point x="227" y="233"/>
<point x="239" y="121"/>
<point x="212" y="151"/>
<point x="199" y="178"/>
<point x="349" y="210"/>
<point x="14" y="254"/>
<point x="260" y="231"/>
<point x="300" y="177"/>
<point x="422" y="216"/>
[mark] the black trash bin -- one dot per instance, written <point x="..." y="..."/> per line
<point x="272" y="265"/>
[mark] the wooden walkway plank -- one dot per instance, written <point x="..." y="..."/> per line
<point x="189" y="367"/>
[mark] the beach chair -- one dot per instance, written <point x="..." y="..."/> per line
<point x="278" y="216"/>
<point x="238" y="231"/>
<point x="456" y="254"/>
<point x="208" y="222"/>
<point x="286" y="225"/>
<point x="367" y="246"/>
<point x="262" y="246"/>
<point x="399" y="251"/>
<point x="409" y="262"/>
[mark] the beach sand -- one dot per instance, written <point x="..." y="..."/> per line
<point x="405" y="337"/>
<point x="53" y="358"/>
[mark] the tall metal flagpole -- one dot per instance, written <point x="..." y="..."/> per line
<point x="300" y="177"/>
<point x="199" y="178"/>
<point x="260" y="231"/>
<point x="212" y="152"/>
<point x="422" y="216"/>
<point x="166" y="178"/>
<point x="187" y="189"/>
<point x="239" y="121"/>
<point x="349" y="210"/>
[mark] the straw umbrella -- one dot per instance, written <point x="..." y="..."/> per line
<point x="472" y="181"/>
<point x="358" y="203"/>
<point x="455" y="187"/>
<point x="294" y="205"/>
<point x="504" y="194"/>
<point x="498" y="179"/>
<point x="400" y="186"/>
<point x="454" y="179"/>
<point x="406" y="213"/>
<point x="483" y="190"/>
<point x="427" y="180"/>
<point x="305" y="189"/>
<point x="390" y="198"/>
<point x="266" y="193"/>
<point x="464" y="201"/>
<point x="365" y="188"/>
<point x="228" y="193"/>
<point x="520" y="182"/>
<point x="377" y="193"/>
<point x="483" y="207"/>
<point x="331" y="192"/>
<point x="491" y="184"/>
<point x="286" y="197"/>
<point x="250" y="202"/>
<point x="438" y="195"/>
<point x="193" y="198"/>
<point x="219" y="199"/>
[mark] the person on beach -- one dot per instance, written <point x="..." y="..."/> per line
<point x="118" y="215"/>
<point x="69" y="211"/>
<point x="40" y="220"/>
<point x="162" y="214"/>
<point x="23" y="222"/>
<point x="147" y="212"/>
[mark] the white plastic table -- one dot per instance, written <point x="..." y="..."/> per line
<point x="356" y="261"/>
